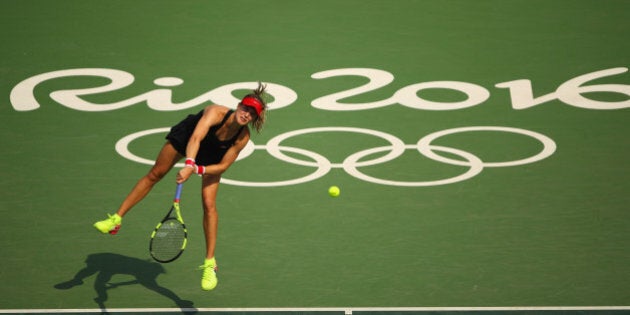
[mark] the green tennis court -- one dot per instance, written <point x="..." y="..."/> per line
<point x="482" y="150"/>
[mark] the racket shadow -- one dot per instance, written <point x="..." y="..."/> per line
<point x="106" y="265"/>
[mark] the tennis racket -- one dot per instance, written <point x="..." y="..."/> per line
<point x="169" y="238"/>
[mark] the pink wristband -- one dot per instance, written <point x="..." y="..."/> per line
<point x="201" y="169"/>
<point x="190" y="162"/>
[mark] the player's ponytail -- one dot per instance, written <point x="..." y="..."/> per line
<point x="260" y="94"/>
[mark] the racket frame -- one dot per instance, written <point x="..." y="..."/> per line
<point x="178" y="216"/>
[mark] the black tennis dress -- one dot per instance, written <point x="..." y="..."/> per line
<point x="211" y="149"/>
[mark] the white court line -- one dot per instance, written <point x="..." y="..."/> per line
<point x="346" y="310"/>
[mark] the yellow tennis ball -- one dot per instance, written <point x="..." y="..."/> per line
<point x="334" y="191"/>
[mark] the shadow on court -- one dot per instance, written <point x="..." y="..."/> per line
<point x="106" y="265"/>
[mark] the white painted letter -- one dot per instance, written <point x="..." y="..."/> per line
<point x="23" y="98"/>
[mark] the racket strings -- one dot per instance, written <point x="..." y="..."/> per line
<point x="168" y="241"/>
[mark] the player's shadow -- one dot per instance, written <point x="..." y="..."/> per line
<point x="106" y="265"/>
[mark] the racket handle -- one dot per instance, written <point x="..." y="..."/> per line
<point x="178" y="192"/>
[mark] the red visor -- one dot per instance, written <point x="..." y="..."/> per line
<point x="253" y="102"/>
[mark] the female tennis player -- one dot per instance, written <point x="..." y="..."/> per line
<point x="210" y="141"/>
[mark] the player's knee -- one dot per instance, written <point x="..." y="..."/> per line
<point x="155" y="175"/>
<point x="209" y="206"/>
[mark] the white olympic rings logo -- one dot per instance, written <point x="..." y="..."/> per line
<point x="351" y="163"/>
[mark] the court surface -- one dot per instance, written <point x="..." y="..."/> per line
<point x="482" y="150"/>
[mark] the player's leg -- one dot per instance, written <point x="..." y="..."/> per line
<point x="209" y="190"/>
<point x="167" y="157"/>
<point x="165" y="161"/>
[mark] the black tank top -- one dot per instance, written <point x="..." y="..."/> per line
<point x="211" y="149"/>
<point x="216" y="147"/>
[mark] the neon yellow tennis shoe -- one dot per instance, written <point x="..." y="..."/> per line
<point x="209" y="279"/>
<point x="110" y="225"/>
